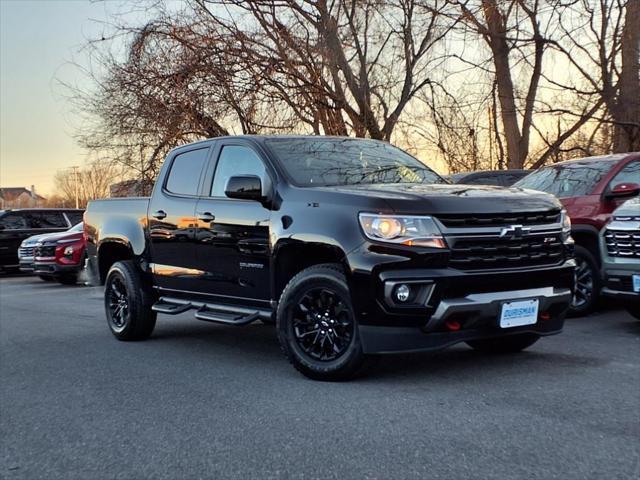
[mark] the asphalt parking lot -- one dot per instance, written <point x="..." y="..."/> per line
<point x="200" y="400"/>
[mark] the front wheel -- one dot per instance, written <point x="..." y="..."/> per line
<point x="127" y="303"/>
<point x="507" y="344"/>
<point x="317" y="327"/>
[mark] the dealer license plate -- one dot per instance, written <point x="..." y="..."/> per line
<point x="636" y="283"/>
<point x="516" y="314"/>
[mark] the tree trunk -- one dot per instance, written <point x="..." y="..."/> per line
<point x="627" y="112"/>
<point x="500" y="51"/>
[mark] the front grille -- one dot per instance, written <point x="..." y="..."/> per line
<point x="483" y="253"/>
<point x="623" y="243"/>
<point x="45" y="251"/>
<point x="25" y="252"/>
<point x="500" y="219"/>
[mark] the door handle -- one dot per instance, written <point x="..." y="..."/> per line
<point x="160" y="214"/>
<point x="206" y="217"/>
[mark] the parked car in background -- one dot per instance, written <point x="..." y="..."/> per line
<point x="61" y="256"/>
<point x="20" y="224"/>
<point x="25" y="254"/>
<point x="590" y="190"/>
<point x="499" y="178"/>
<point x="620" y="247"/>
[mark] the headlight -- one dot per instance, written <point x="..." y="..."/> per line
<point x="403" y="230"/>
<point x="68" y="251"/>
<point x="566" y="226"/>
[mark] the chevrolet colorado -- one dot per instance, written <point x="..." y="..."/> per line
<point x="351" y="246"/>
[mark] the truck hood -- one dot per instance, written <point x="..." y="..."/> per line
<point x="56" y="237"/>
<point x="629" y="208"/>
<point x="459" y="199"/>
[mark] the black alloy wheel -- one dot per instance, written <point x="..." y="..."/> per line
<point x="128" y="303"/>
<point x="322" y="324"/>
<point x="117" y="303"/>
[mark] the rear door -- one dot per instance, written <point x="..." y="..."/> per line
<point x="172" y="221"/>
<point x="232" y="242"/>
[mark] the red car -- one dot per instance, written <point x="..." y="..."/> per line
<point x="61" y="255"/>
<point x="590" y="190"/>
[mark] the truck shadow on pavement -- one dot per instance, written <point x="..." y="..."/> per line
<point x="257" y="346"/>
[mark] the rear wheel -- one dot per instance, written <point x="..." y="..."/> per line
<point x="317" y="326"/>
<point x="508" y="344"/>
<point x="587" y="283"/>
<point x="128" y="303"/>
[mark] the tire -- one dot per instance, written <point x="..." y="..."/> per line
<point x="45" y="278"/>
<point x="322" y="346"/>
<point x="127" y="303"/>
<point x="68" y="279"/>
<point x="507" y="344"/>
<point x="588" y="284"/>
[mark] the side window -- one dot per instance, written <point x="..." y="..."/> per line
<point x="14" y="221"/>
<point x="629" y="174"/>
<point x="186" y="168"/>
<point x="235" y="160"/>
<point x="47" y="220"/>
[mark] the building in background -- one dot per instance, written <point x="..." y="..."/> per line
<point x="20" y="197"/>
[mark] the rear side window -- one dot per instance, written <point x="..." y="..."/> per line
<point x="47" y="220"/>
<point x="14" y="221"/>
<point x="186" y="168"/>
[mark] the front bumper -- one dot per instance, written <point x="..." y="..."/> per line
<point x="54" y="269"/>
<point x="619" y="283"/>
<point x="26" y="264"/>
<point x="387" y="340"/>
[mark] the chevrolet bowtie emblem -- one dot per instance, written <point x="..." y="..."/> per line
<point x="514" y="231"/>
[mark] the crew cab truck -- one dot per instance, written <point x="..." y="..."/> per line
<point x="352" y="247"/>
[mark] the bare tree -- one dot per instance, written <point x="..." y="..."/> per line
<point x="93" y="182"/>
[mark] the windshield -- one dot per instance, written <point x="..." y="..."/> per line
<point x="347" y="161"/>
<point x="567" y="180"/>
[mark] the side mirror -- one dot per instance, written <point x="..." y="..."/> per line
<point x="622" y="190"/>
<point x="245" y="187"/>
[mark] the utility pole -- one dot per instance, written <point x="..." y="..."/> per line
<point x="75" y="181"/>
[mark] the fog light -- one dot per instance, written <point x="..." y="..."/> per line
<point x="68" y="251"/>
<point x="402" y="293"/>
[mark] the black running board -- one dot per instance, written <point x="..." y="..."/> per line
<point x="226" y="318"/>
<point x="212" y="312"/>
<point x="170" y="308"/>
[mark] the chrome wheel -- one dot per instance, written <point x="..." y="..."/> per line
<point x="322" y="324"/>
<point x="584" y="281"/>
<point x="118" y="303"/>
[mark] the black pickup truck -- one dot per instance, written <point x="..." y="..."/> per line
<point x="352" y="247"/>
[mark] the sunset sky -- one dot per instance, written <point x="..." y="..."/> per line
<point x="38" y="40"/>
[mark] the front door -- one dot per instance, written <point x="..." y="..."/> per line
<point x="233" y="235"/>
<point x="172" y="221"/>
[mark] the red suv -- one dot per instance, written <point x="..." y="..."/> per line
<point x="590" y="190"/>
<point x="61" y="255"/>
